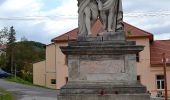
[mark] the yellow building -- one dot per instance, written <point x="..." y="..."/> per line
<point x="53" y="71"/>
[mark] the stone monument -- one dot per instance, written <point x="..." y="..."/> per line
<point x="102" y="67"/>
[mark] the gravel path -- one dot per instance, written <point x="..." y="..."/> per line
<point x="26" y="92"/>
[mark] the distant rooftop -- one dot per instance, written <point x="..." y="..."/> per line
<point x="131" y="32"/>
<point x="157" y="48"/>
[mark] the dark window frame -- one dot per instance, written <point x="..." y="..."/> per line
<point x="137" y="57"/>
<point x="139" y="78"/>
<point x="66" y="79"/>
<point x="160" y="82"/>
<point x="53" y="81"/>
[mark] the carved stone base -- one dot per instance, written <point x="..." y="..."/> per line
<point x="103" y="91"/>
<point x="104" y="97"/>
<point x="107" y="36"/>
<point x="102" y="68"/>
<point x="105" y="87"/>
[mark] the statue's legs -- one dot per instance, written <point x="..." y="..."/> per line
<point x="87" y="19"/>
<point x="104" y="19"/>
<point x="94" y="16"/>
<point x="110" y="20"/>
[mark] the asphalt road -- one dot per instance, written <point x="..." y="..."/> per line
<point x="26" y="92"/>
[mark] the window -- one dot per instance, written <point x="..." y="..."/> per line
<point x="53" y="81"/>
<point x="137" y="57"/>
<point x="66" y="79"/>
<point x="160" y="81"/>
<point x="138" y="78"/>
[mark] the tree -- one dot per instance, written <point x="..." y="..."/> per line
<point x="2" y="60"/>
<point x="26" y="53"/>
<point x="10" y="49"/>
<point x="4" y="35"/>
<point x="11" y="36"/>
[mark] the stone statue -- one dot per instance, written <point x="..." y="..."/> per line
<point x="88" y="14"/>
<point x="102" y="67"/>
<point x="111" y="14"/>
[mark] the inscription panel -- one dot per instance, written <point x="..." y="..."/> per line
<point x="88" y="68"/>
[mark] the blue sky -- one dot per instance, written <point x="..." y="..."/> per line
<point x="50" y="18"/>
<point x="50" y="4"/>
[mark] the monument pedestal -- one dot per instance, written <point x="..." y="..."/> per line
<point x="102" y="68"/>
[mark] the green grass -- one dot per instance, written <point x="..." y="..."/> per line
<point x="18" y="80"/>
<point x="21" y="81"/>
<point x="4" y="95"/>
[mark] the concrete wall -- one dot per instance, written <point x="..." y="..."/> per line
<point x="61" y="65"/>
<point x="49" y="77"/>
<point x="146" y="71"/>
<point x="55" y="67"/>
<point x="158" y="71"/>
<point x="50" y="65"/>
<point x="50" y="58"/>
<point x="39" y="73"/>
<point x="143" y="66"/>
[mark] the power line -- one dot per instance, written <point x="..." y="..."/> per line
<point x="57" y="17"/>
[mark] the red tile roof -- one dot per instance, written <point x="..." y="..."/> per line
<point x="131" y="32"/>
<point x="157" y="48"/>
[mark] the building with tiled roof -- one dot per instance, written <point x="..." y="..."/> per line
<point x="53" y="71"/>
<point x="159" y="47"/>
<point x="131" y="32"/>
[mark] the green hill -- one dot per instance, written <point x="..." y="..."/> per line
<point x="26" y="53"/>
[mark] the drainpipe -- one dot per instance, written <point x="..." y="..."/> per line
<point x="165" y="77"/>
<point x="56" y="66"/>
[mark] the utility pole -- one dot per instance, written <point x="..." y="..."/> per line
<point x="15" y="71"/>
<point x="11" y="61"/>
<point x="165" y="77"/>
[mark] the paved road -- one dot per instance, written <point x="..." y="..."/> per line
<point x="25" y="92"/>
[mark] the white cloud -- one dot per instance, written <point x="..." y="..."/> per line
<point x="164" y="36"/>
<point x="20" y="7"/>
<point x="157" y="24"/>
<point x="50" y="27"/>
<point x="65" y="17"/>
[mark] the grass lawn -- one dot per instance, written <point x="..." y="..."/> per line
<point x="4" y="95"/>
<point x="18" y="80"/>
<point x="21" y="81"/>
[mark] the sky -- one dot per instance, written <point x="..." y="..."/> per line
<point x="42" y="20"/>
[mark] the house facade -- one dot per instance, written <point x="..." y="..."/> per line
<point x="53" y="72"/>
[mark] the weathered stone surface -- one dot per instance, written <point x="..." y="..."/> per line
<point x="102" y="65"/>
<point x="117" y="36"/>
<point x="105" y="97"/>
<point x="81" y="87"/>
<point x="90" y="39"/>
<point x="101" y="50"/>
<point x="73" y="67"/>
<point x="102" y="68"/>
<point x="109" y="12"/>
<point x="107" y="36"/>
